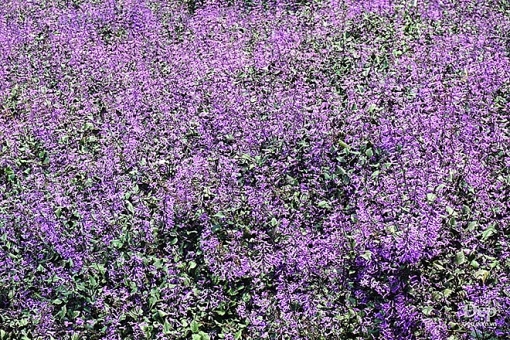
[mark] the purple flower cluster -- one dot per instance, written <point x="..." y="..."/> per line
<point x="330" y="169"/>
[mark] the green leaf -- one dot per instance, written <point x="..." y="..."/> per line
<point x="431" y="197"/>
<point x="452" y="221"/>
<point x="130" y="207"/>
<point x="367" y="255"/>
<point x="487" y="233"/>
<point x="158" y="263"/>
<point x="427" y="310"/>
<point x="475" y="264"/>
<point x="460" y="258"/>
<point x="343" y="144"/>
<point x="369" y="152"/>
<point x="219" y="215"/>
<point x="192" y="265"/>
<point x="194" y="326"/>
<point x="204" y="336"/>
<point x="92" y="281"/>
<point x="494" y="264"/>
<point x="57" y="302"/>
<point x="291" y="180"/>
<point x="117" y="244"/>
<point x="62" y="313"/>
<point x="238" y="334"/>
<point x="438" y="266"/>
<point x="147" y="330"/>
<point x="324" y="205"/>
<point x="472" y="225"/>
<point x="482" y="274"/>
<point x="152" y="301"/>
<point x="167" y="327"/>
<point x="46" y="160"/>
<point x="196" y="337"/>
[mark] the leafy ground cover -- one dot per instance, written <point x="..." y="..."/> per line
<point x="335" y="169"/>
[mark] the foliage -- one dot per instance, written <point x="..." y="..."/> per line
<point x="254" y="170"/>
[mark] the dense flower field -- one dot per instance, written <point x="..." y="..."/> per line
<point x="334" y="169"/>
